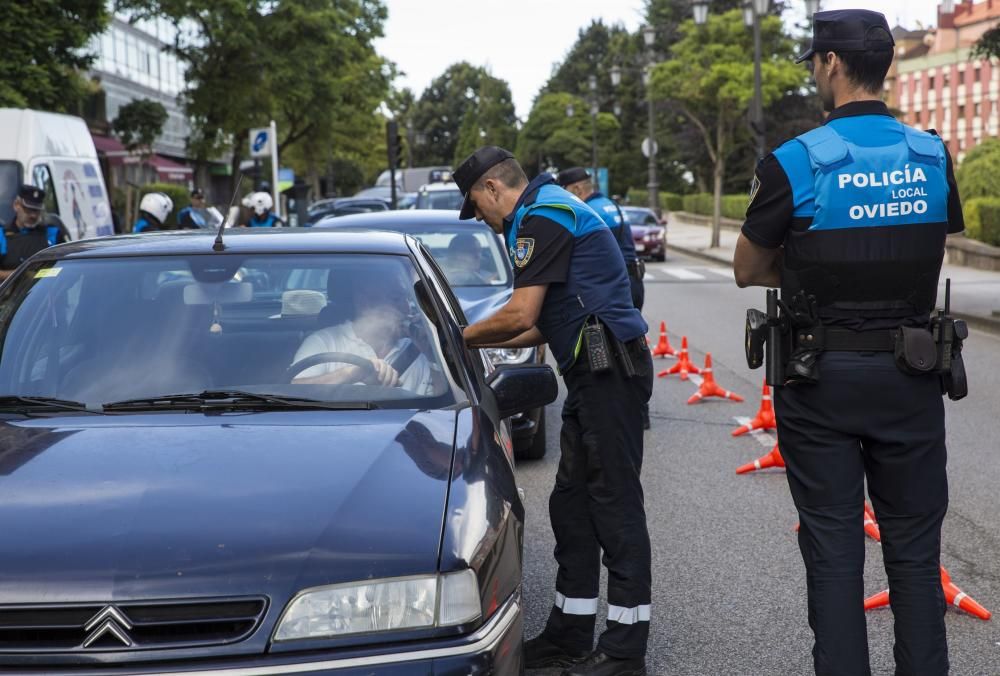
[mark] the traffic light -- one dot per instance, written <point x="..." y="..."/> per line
<point x="394" y="143"/>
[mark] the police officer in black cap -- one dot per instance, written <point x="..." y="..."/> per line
<point x="849" y="220"/>
<point x="571" y="290"/>
<point x="28" y="233"/>
<point x="192" y="217"/>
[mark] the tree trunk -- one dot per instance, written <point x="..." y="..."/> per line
<point x="719" y="174"/>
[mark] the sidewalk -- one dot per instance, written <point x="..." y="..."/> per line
<point x="975" y="294"/>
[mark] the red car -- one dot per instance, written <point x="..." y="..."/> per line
<point x="648" y="232"/>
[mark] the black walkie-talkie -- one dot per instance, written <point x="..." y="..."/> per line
<point x="596" y="342"/>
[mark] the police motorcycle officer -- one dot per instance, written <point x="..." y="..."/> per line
<point x="261" y="204"/>
<point x="571" y="291"/>
<point x="28" y="233"/>
<point x="849" y="220"/>
<point x="153" y="211"/>
<point x="578" y="181"/>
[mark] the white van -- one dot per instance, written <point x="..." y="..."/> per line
<point x="54" y="152"/>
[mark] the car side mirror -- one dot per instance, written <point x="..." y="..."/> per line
<point x="522" y="387"/>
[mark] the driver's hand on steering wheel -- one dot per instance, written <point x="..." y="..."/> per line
<point x="384" y="374"/>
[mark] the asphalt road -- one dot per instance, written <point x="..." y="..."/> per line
<point x="728" y="580"/>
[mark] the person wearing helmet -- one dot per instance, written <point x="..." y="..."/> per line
<point x="153" y="211"/>
<point x="28" y="233"/>
<point x="262" y="217"/>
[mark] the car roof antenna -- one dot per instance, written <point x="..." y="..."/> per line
<point x="219" y="245"/>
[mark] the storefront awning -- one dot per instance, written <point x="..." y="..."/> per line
<point x="168" y="170"/>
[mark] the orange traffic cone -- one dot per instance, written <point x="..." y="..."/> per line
<point x="709" y="388"/>
<point x="764" y="420"/>
<point x="871" y="525"/>
<point x="772" y="459"/>
<point x="683" y="365"/>
<point x="663" y="347"/>
<point x="952" y="595"/>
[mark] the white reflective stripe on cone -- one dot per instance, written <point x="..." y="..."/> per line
<point x="628" y="615"/>
<point x="576" y="606"/>
<point x="958" y="599"/>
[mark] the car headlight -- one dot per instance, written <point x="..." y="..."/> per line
<point x="509" y="355"/>
<point x="381" y="605"/>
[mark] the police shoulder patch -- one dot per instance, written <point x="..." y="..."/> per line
<point x="523" y="249"/>
<point x="754" y="189"/>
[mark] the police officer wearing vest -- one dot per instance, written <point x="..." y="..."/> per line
<point x="571" y="290"/>
<point x="27" y="234"/>
<point x="849" y="220"/>
<point x="192" y="217"/>
<point x="577" y="181"/>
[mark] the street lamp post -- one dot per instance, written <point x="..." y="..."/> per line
<point x="594" y="109"/>
<point x="653" y="187"/>
<point x="757" y="9"/>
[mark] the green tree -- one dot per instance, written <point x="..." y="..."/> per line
<point x="441" y="111"/>
<point x="552" y="137"/>
<point x="979" y="173"/>
<point x="139" y="122"/>
<point x="988" y="45"/>
<point x="44" y="51"/>
<point x="491" y="121"/>
<point x="709" y="80"/>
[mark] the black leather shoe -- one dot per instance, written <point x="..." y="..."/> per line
<point x="540" y="653"/>
<point x="599" y="664"/>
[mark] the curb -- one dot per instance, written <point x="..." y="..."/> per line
<point x="698" y="253"/>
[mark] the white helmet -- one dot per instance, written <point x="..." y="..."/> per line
<point x="261" y="202"/>
<point x="157" y="205"/>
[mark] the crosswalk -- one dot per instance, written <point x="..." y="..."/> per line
<point x="688" y="273"/>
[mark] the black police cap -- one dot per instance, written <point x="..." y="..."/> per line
<point x="849" y="30"/>
<point x="472" y="169"/>
<point x="32" y="197"/>
<point x="197" y="192"/>
<point x="572" y="175"/>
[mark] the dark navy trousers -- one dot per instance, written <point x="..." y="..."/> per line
<point x="865" y="418"/>
<point x="597" y="505"/>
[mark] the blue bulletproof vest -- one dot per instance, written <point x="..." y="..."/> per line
<point x="191" y="213"/>
<point x="143" y="224"/>
<point x="266" y="222"/>
<point x="597" y="284"/>
<point x="871" y="207"/>
<point x="51" y="236"/>
<point x="615" y="219"/>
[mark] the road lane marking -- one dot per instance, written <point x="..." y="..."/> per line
<point x="683" y="273"/>
<point x="649" y="275"/>
<point x="725" y="272"/>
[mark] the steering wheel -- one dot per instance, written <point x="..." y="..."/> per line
<point x="328" y="357"/>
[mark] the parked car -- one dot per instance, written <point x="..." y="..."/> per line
<point x="649" y="232"/>
<point x="196" y="501"/>
<point x="444" y="195"/>
<point x="342" y="206"/>
<point x="481" y="292"/>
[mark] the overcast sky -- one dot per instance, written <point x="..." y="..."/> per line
<point x="521" y="40"/>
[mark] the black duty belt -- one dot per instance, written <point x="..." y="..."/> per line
<point x="845" y="340"/>
<point x="633" y="267"/>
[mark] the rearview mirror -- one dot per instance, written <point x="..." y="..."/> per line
<point x="522" y="387"/>
<point x="229" y="292"/>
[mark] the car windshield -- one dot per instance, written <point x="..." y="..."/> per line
<point x="639" y="216"/>
<point x="469" y="255"/>
<point x="440" y="199"/>
<point x="303" y="326"/>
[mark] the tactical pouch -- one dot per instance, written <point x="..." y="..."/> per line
<point x="915" y="351"/>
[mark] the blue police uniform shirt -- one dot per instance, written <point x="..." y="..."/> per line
<point x="554" y="238"/>
<point x="18" y="244"/>
<point x="269" y="220"/>
<point x="862" y="206"/>
<point x="144" y="224"/>
<point x="189" y="217"/>
<point x="615" y="219"/>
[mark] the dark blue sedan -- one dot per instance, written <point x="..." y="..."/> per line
<point x="273" y="458"/>
<point x="477" y="268"/>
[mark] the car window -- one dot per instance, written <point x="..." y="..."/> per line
<point x="440" y="199"/>
<point x="42" y="177"/>
<point x="104" y="330"/>
<point x="467" y="257"/>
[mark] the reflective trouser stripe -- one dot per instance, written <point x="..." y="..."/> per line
<point x="576" y="606"/>
<point x="628" y="615"/>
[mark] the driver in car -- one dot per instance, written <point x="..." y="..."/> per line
<point x="377" y="333"/>
<point x="464" y="260"/>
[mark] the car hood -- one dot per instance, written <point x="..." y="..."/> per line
<point x="643" y="230"/>
<point x="480" y="302"/>
<point x="180" y="505"/>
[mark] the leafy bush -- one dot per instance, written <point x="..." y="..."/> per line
<point x="669" y="201"/>
<point x="982" y="219"/>
<point x="979" y="173"/>
<point x="699" y="203"/>
<point x="735" y="206"/>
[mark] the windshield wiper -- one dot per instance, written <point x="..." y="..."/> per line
<point x="22" y="404"/>
<point x="214" y="399"/>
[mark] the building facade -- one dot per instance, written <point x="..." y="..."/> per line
<point x="942" y="88"/>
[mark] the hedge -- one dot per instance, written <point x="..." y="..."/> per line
<point x="982" y="219"/>
<point x="180" y="196"/>
<point x="637" y="197"/>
